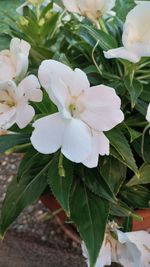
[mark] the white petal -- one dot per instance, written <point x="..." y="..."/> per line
<point x="148" y="113"/>
<point x="71" y="6"/>
<point x="81" y="83"/>
<point x="30" y="88"/>
<point x="58" y="93"/>
<point x="7" y="69"/>
<point x="47" y="135"/>
<point x="7" y="119"/>
<point x="136" y="31"/>
<point x="104" y="257"/>
<point x="19" y="46"/>
<point x="20" y="51"/>
<point x="123" y="53"/>
<point x="73" y="83"/>
<point x="77" y="141"/>
<point x="142" y="241"/>
<point x="104" y="148"/>
<point x="100" y="145"/>
<point x="102" y="111"/>
<point x="50" y="67"/>
<point x="21" y="63"/>
<point x="127" y="252"/>
<point x="19" y="10"/>
<point x="8" y="85"/>
<point x="24" y="115"/>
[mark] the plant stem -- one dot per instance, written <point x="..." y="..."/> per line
<point x="102" y="25"/>
<point x="142" y="145"/>
<point x="61" y="169"/>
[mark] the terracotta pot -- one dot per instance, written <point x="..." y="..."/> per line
<point x="142" y="225"/>
<point x="52" y="204"/>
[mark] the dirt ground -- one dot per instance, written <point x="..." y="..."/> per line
<point x="30" y="241"/>
<point x="18" y="250"/>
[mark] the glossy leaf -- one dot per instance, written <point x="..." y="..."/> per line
<point x="90" y="213"/>
<point x="136" y="196"/>
<point x="135" y="89"/>
<point x="21" y="194"/>
<point x="144" y="176"/>
<point x="113" y="172"/>
<point x="105" y="40"/>
<point x="11" y="140"/>
<point x="61" y="185"/>
<point x="120" y="143"/>
<point x="96" y="183"/>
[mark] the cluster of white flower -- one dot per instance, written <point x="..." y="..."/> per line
<point x="84" y="112"/>
<point x="131" y="249"/>
<point x="15" y="90"/>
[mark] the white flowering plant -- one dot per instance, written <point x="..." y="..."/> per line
<point x="74" y="99"/>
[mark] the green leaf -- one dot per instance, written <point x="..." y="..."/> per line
<point x="123" y="210"/>
<point x="106" y="41"/>
<point x="29" y="160"/>
<point x="96" y="183"/>
<point x="113" y="172"/>
<point x="5" y="41"/>
<point x="135" y="89"/>
<point x="11" y="140"/>
<point x="61" y="186"/>
<point x="90" y="214"/>
<point x="120" y="143"/>
<point x="137" y="196"/>
<point x="133" y="134"/>
<point x="144" y="176"/>
<point x="137" y="144"/>
<point x="20" y="195"/>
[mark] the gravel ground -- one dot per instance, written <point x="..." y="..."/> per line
<point x="32" y="242"/>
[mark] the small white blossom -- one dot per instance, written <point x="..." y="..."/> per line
<point x="91" y="9"/>
<point x="84" y="112"/>
<point x="14" y="62"/>
<point x="30" y="4"/>
<point x="14" y="101"/>
<point x="136" y="35"/>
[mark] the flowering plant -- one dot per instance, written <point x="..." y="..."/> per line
<point x="77" y="107"/>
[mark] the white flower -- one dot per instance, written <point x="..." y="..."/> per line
<point x="30" y="4"/>
<point x="136" y="35"/>
<point x="14" y="106"/>
<point x="148" y="113"/>
<point x="83" y="114"/>
<point x="14" y="62"/>
<point x="130" y="249"/>
<point x="93" y="9"/>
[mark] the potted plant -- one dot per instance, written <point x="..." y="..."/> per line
<point x="74" y="99"/>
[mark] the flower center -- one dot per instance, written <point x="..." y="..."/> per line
<point x="76" y="108"/>
<point x="6" y="98"/>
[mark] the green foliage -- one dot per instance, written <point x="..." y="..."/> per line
<point x="143" y="178"/>
<point x="24" y="191"/>
<point x="61" y="185"/>
<point x="113" y="172"/>
<point x="96" y="183"/>
<point x="136" y="196"/>
<point x="13" y="140"/>
<point x="90" y="213"/>
<point x="120" y="183"/>
<point x="120" y="143"/>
